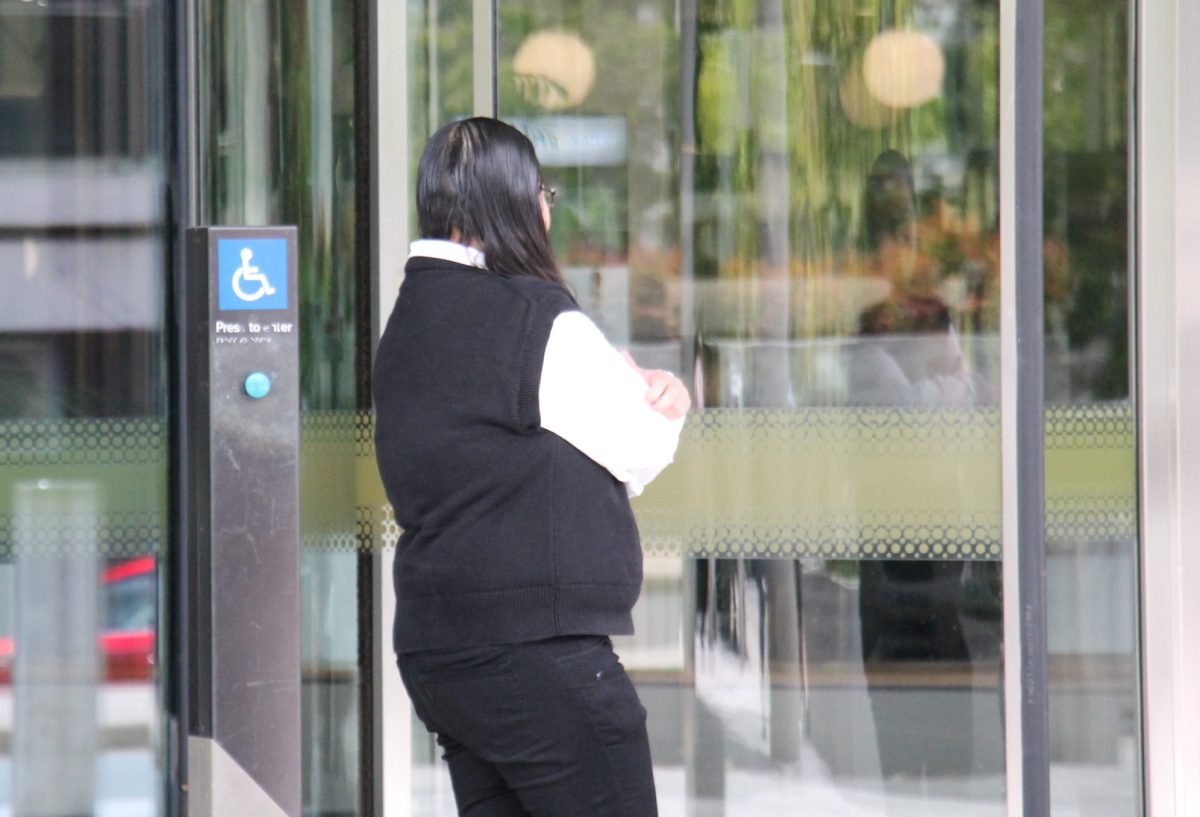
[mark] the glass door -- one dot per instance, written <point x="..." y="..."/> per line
<point x="83" y="418"/>
<point x="798" y="206"/>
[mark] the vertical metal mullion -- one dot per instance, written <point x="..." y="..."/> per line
<point x="1008" y="419"/>
<point x="1158" y="410"/>
<point x="1031" y="412"/>
<point x="495" y="57"/>
<point x="365" y="334"/>
<point x="1134" y="333"/>
<point x="390" y="186"/>
<point x="484" y="64"/>
<point x="181" y="22"/>
<point x="365" y="295"/>
<point x="688" y="37"/>
<point x="1023" y="410"/>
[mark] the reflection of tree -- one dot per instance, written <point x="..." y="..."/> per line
<point x="831" y="131"/>
<point x="1087" y="195"/>
<point x="536" y="86"/>
<point x="291" y="162"/>
<point x="785" y="133"/>
<point x="627" y="215"/>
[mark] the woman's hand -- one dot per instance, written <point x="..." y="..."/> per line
<point x="665" y="393"/>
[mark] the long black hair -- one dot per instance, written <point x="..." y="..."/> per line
<point x="479" y="181"/>
<point x="890" y="202"/>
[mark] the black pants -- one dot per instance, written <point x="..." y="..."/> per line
<point x="545" y="729"/>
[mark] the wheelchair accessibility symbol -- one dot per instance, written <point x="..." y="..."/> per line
<point x="253" y="273"/>
<point x="246" y="273"/>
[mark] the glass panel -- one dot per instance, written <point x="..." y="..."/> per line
<point x="82" y="407"/>
<point x="796" y="205"/>
<point x="280" y="148"/>
<point x="1091" y="465"/>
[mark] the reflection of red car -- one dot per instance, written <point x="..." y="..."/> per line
<point x="127" y="642"/>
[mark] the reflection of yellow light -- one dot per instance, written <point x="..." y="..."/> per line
<point x="555" y="69"/>
<point x="903" y="69"/>
<point x="857" y="103"/>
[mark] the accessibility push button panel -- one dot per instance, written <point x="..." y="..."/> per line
<point x="243" y="428"/>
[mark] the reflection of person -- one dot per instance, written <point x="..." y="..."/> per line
<point x="909" y="353"/>
<point x="510" y="436"/>
<point x="913" y="611"/>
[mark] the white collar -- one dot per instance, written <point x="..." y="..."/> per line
<point x="444" y="250"/>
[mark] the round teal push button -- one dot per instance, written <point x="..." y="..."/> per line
<point x="258" y="385"/>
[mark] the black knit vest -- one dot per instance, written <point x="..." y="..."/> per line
<point x="510" y="534"/>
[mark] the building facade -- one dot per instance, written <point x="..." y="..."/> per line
<point x="924" y="263"/>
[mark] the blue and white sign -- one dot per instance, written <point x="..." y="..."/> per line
<point x="252" y="273"/>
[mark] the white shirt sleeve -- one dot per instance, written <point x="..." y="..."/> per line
<point x="593" y="399"/>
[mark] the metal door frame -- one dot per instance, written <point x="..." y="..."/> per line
<point x="1168" y="355"/>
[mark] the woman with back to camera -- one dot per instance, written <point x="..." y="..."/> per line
<point x="510" y="436"/>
